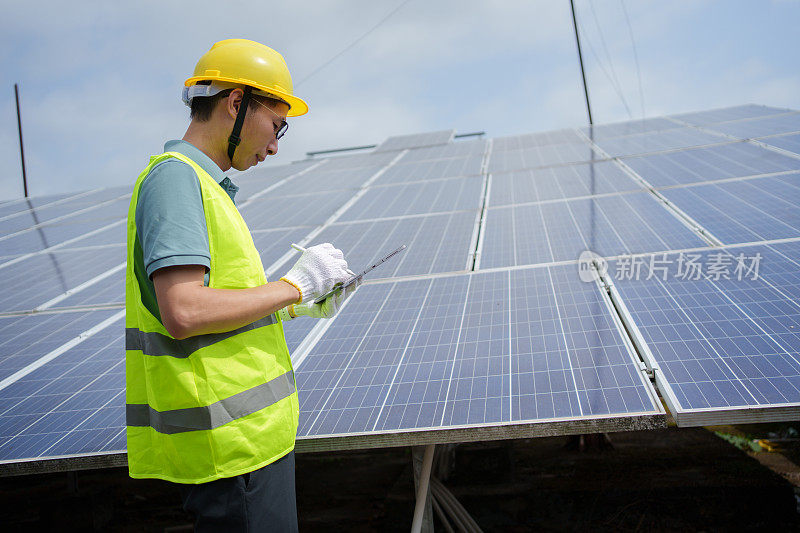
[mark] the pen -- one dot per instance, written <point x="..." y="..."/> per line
<point x="298" y="248"/>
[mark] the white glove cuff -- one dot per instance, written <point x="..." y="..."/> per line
<point x="301" y="283"/>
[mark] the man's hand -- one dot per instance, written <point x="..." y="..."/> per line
<point x="317" y="271"/>
<point x="328" y="307"/>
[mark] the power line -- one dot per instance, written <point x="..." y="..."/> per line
<point x="351" y="45"/>
<point x="635" y="55"/>
<point x="610" y="61"/>
<point x="603" y="68"/>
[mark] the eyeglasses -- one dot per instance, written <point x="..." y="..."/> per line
<point x="280" y="131"/>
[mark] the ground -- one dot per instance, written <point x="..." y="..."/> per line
<point x="670" y="479"/>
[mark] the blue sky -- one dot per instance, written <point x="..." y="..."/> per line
<point x="101" y="81"/>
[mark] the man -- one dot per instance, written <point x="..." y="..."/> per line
<point x="211" y="397"/>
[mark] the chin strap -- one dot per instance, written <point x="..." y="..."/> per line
<point x="234" y="139"/>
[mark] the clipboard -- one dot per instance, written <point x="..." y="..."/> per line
<point x="354" y="279"/>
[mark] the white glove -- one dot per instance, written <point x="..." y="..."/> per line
<point x="325" y="309"/>
<point x="317" y="271"/>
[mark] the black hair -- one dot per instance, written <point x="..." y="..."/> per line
<point x="203" y="106"/>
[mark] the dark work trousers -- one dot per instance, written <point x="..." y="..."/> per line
<point x="262" y="500"/>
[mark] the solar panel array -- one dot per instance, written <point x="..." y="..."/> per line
<point x="484" y="327"/>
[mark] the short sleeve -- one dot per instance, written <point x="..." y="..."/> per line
<point x="170" y="222"/>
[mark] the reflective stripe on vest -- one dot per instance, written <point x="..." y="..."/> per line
<point x="214" y="415"/>
<point x="155" y="343"/>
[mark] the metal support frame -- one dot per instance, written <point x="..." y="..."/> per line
<point x="423" y="516"/>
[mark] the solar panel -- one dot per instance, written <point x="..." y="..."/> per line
<point x="416" y="140"/>
<point x="630" y="127"/>
<point x="760" y="127"/>
<point x="438" y="196"/>
<point x="726" y="349"/>
<point x="436" y="243"/>
<point x="444" y="151"/>
<point x="540" y="156"/>
<point x="30" y="283"/>
<point x="786" y="142"/>
<point x="49" y="211"/>
<point x="744" y="210"/>
<point x="516" y="142"/>
<point x="289" y="211"/>
<point x="322" y="180"/>
<point x="107" y="291"/>
<point x="461" y="351"/>
<point x="561" y="231"/>
<point x="416" y="171"/>
<point x="442" y="354"/>
<point x="72" y="405"/>
<point x="537" y="185"/>
<point x="357" y="161"/>
<point x="273" y="244"/>
<point x="658" y="141"/>
<point x="25" y="339"/>
<point x="713" y="163"/>
<point x="729" y="113"/>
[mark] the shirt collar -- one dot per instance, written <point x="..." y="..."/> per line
<point x="205" y="162"/>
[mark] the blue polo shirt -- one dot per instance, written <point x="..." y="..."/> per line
<point x="170" y="222"/>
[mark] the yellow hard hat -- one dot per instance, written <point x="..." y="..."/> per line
<point x="250" y="63"/>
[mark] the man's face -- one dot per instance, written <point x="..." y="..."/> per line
<point x="258" y="134"/>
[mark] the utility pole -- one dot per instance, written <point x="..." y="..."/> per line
<point x="580" y="58"/>
<point x="21" y="147"/>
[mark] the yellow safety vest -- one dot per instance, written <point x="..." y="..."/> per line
<point x="209" y="406"/>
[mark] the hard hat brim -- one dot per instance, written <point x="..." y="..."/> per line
<point x="297" y="106"/>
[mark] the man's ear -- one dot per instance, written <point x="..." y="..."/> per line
<point x="233" y="102"/>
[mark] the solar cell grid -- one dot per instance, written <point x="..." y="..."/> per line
<point x="560" y="231"/>
<point x="418" y="198"/>
<point x="306" y="209"/>
<point x="516" y="142"/>
<point x="431" y="169"/>
<point x="273" y="244"/>
<point x="744" y="210"/>
<point x="786" y="142"/>
<point x="540" y="156"/>
<point x="356" y="161"/>
<point x="436" y="243"/>
<point x="323" y="180"/>
<point x="468" y="351"/>
<point x="658" y="141"/>
<point x="445" y="151"/>
<point x="23" y="340"/>
<point x="11" y="207"/>
<point x="631" y="127"/>
<point x="110" y="290"/>
<point x="31" y="282"/>
<point x="57" y="210"/>
<point x="713" y="163"/>
<point x="727" y="348"/>
<point x="402" y="142"/>
<point x="553" y="183"/>
<point x="759" y="127"/>
<point x="72" y="405"/>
